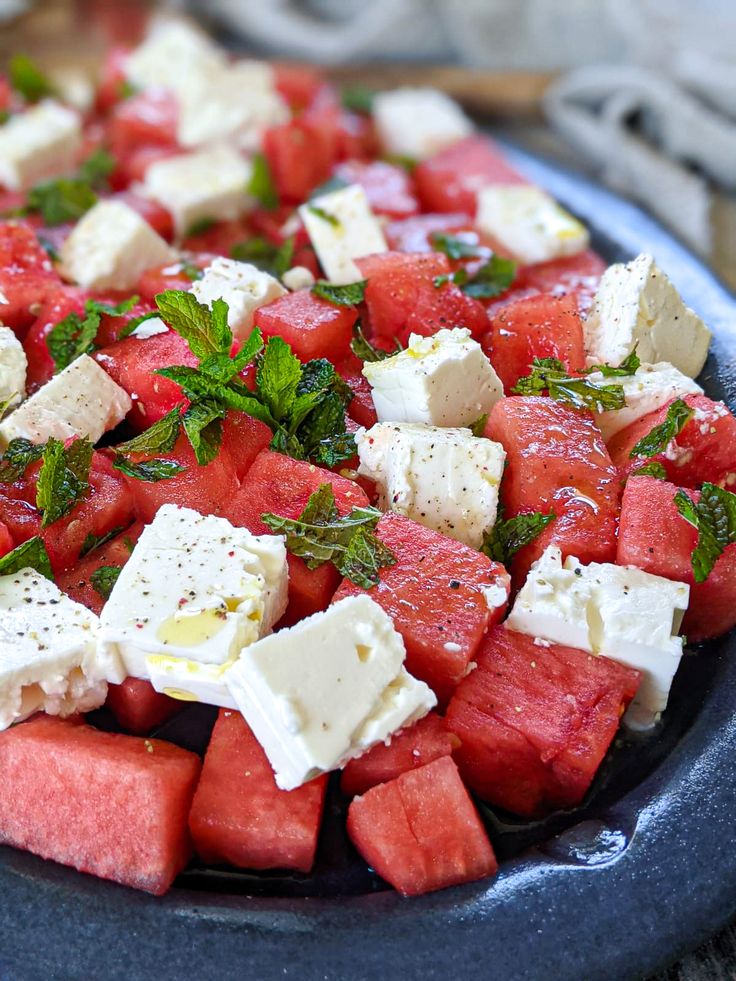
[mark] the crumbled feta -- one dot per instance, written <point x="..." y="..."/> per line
<point x="446" y="479"/>
<point x="149" y="328"/>
<point x="529" y="223"/>
<point x="417" y="123"/>
<point x="37" y="144"/>
<point x="342" y="228"/>
<point x="82" y="400"/>
<point x="324" y="691"/>
<point x="444" y="380"/>
<point x="244" y="287"/>
<point x="13" y="365"/>
<point x="110" y="247"/>
<point x="298" y="278"/>
<point x="630" y="616"/>
<point x="173" y="55"/>
<point x="636" y="304"/>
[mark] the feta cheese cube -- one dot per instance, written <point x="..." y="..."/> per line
<point x="244" y="287"/>
<point x="636" y="304"/>
<point x="207" y="185"/>
<point x="110" y="247"/>
<point x="13" y="365"/>
<point x="173" y="53"/>
<point x="342" y="227"/>
<point x="529" y="223"/>
<point x="446" y="479"/>
<point x="82" y="400"/>
<point x="651" y="387"/>
<point x="48" y="657"/>
<point x="417" y="123"/>
<point x="37" y="144"/>
<point x="190" y="681"/>
<point x="444" y="380"/>
<point x="298" y="278"/>
<point x="195" y="588"/>
<point x="324" y="691"/>
<point x="630" y="616"/>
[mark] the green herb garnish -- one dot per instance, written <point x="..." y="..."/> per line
<point x="148" y="471"/>
<point x="103" y="579"/>
<point x="75" y="334"/>
<point x="363" y="349"/>
<point x="652" y="469"/>
<point x="28" y="79"/>
<point x="508" y="536"/>
<point x="31" y="554"/>
<point x="93" y="541"/>
<point x="455" y="247"/>
<point x="549" y="375"/>
<point x="324" y="215"/>
<point x="714" y="516"/>
<point x="261" y="184"/>
<point x="492" y="279"/>
<point x="63" y="480"/>
<point x="629" y="366"/>
<point x="264" y="255"/>
<point x="18" y="456"/>
<point x="349" y="295"/>
<point x="357" y="98"/>
<point x="678" y="415"/>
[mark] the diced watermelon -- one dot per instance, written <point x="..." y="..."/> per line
<point x="278" y="224"/>
<point x="577" y="274"/>
<point x="75" y="582"/>
<point x="138" y="707"/>
<point x="705" y="449"/>
<point x="442" y="596"/>
<point x="57" y="306"/>
<point x="27" y="276"/>
<point x="390" y="190"/>
<point x="556" y="460"/>
<point x="414" y="234"/>
<point x="655" y="537"/>
<point x="112" y="82"/>
<point x="451" y="179"/>
<point x="312" y="326"/>
<point x="172" y="276"/>
<point x="361" y="407"/>
<point x="300" y="155"/>
<point x="6" y="539"/>
<point x="243" y="438"/>
<point x="278" y="484"/>
<point x="402" y="297"/>
<point x="143" y="120"/>
<point x="110" y="326"/>
<point x="421" y="743"/>
<point x="240" y="817"/>
<point x="540" y="326"/>
<point x="21" y="519"/>
<point x="111" y="805"/>
<point x="297" y="84"/>
<point x="131" y="168"/>
<point x="535" y="722"/>
<point x="421" y="831"/>
<point x="218" y="239"/>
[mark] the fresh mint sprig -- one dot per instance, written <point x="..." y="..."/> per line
<point x="550" y="375"/>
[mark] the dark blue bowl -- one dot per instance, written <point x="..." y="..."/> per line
<point x="644" y="870"/>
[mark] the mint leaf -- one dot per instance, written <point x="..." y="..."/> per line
<point x="652" y="469"/>
<point x="549" y="375"/>
<point x="264" y="255"/>
<point x="97" y="168"/>
<point x="202" y="423"/>
<point x="629" y="366"/>
<point x="28" y="79"/>
<point x="135" y="322"/>
<point x="158" y="438"/>
<point x="75" y="334"/>
<point x="103" y="579"/>
<point x="261" y="184"/>
<point x="278" y="376"/>
<point x="205" y="331"/>
<point x="200" y="227"/>
<point x="92" y="541"/>
<point x="357" y="98"/>
<point x="148" y="471"/>
<point x="478" y="427"/>
<point x="510" y="535"/>
<point x="319" y="535"/>
<point x="63" y="480"/>
<point x="714" y="516"/>
<point x="455" y="247"/>
<point x="678" y="415"/>
<point x="403" y="160"/>
<point x="60" y="201"/>
<point x="490" y="280"/>
<point x="363" y="349"/>
<point x="331" y="219"/>
<point x="18" y="456"/>
<point x="31" y="554"/>
<point x="349" y="295"/>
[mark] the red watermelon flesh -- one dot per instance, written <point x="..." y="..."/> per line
<point x="138" y="707"/>
<point x="76" y="582"/>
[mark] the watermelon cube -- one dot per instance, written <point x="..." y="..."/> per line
<point x="388" y="187"/>
<point x="57" y="305"/>
<point x="240" y="817"/>
<point x="421" y="832"/>
<point x="361" y="408"/>
<point x="535" y="722"/>
<point x="577" y="275"/>
<point x="442" y="596"/>
<point x="419" y="744"/>
<point x="27" y="276"/>
<point x="76" y="582"/>
<point x="312" y="326"/>
<point x="111" y="805"/>
<point x="138" y="707"/>
<point x="414" y="234"/>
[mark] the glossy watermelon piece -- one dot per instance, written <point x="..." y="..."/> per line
<point x="312" y="326"/>
<point x="655" y="537"/>
<point x="556" y="460"/>
<point x="75" y="582"/>
<point x="389" y="188"/>
<point x="442" y="596"/>
<point x="218" y="239"/>
<point x="451" y="179"/>
<point x="21" y="519"/>
<point x="540" y="326"/>
<point x="7" y="544"/>
<point x="57" y="305"/>
<point x="361" y="407"/>
<point x="300" y="155"/>
<point x="419" y="744"/>
<point x="705" y="449"/>
<point x="576" y="274"/>
<point x="111" y="805"/>
<point x="146" y="119"/>
<point x="27" y="276"/>
<point x="421" y="831"/>
<point x="172" y="276"/>
<point x="240" y="817"/>
<point x="138" y="707"/>
<point x="534" y="723"/>
<point x="243" y="438"/>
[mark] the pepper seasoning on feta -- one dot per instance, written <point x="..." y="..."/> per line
<point x="243" y="286"/>
<point x="445" y="479"/>
<point x="82" y="400"/>
<point x="195" y="591"/>
<point x="342" y="228"/>
<point x="529" y="223"/>
<point x="324" y="691"/>
<point x="37" y="144"/>
<point x="417" y="123"/>
<point x="13" y="365"/>
<point x="48" y="656"/>
<point x="110" y="247"/>
<point x="628" y="615"/>
<point x="637" y="305"/>
<point x="443" y="380"/>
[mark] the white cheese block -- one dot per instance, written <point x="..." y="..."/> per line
<point x="110" y="247"/>
<point x="298" y="278"/>
<point x="444" y="380"/>
<point x="244" y="288"/>
<point x="446" y="479"/>
<point x="529" y="223"/>
<point x="13" y="365"/>
<point x="82" y="400"/>
<point x="150" y="328"/>
<point x="75" y="87"/>
<point x="630" y="616"/>
<point x="48" y="656"/>
<point x="195" y="588"/>
<point x="207" y="185"/>
<point x="38" y="144"/>
<point x="417" y="123"/>
<point x="171" y="56"/>
<point x="636" y="304"/>
<point x="324" y="691"/>
<point x="342" y="227"/>
<point x="190" y="681"/>
<point x="651" y="387"/>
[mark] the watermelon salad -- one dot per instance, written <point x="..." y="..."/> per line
<point x="314" y="410"/>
